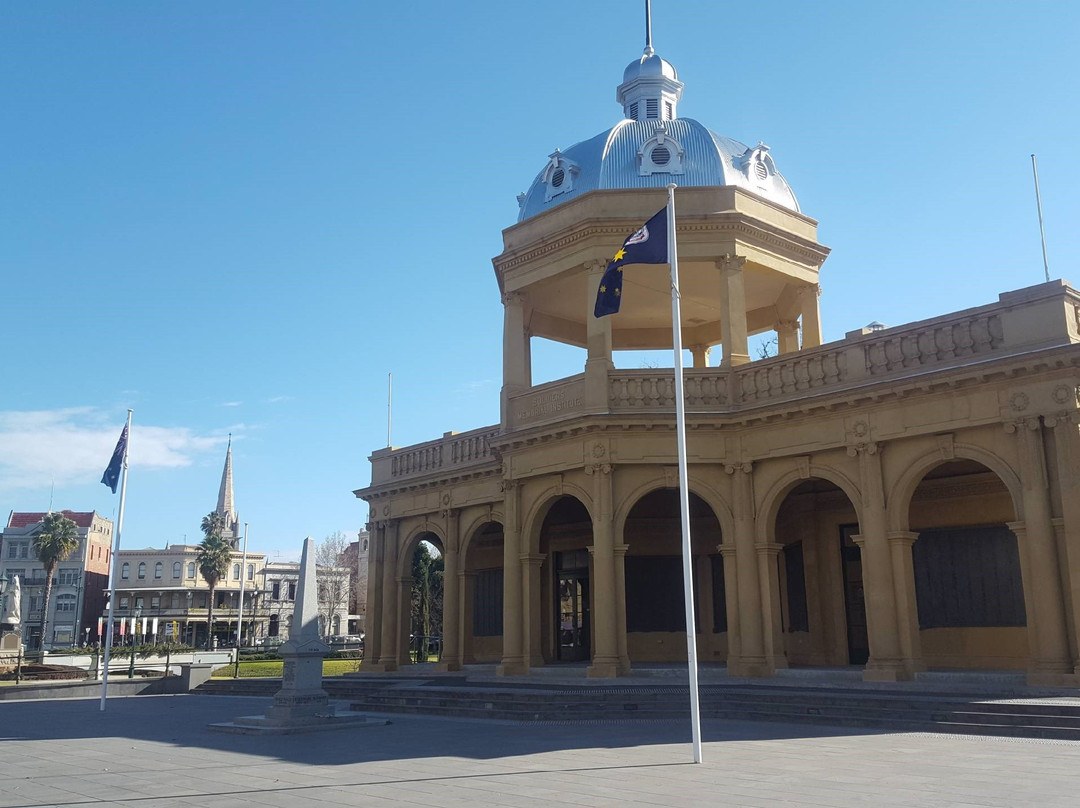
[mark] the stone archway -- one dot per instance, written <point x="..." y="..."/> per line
<point x="815" y="610"/>
<point x="560" y="597"/>
<point x="654" y="603"/>
<point x="419" y="629"/>
<point x="968" y="568"/>
<point x="480" y="600"/>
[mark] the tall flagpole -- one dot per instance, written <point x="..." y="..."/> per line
<point x="684" y="480"/>
<point x="243" y="578"/>
<point x="389" y="405"/>
<point x="1038" y="204"/>
<point x="112" y="567"/>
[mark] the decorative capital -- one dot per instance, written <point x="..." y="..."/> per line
<point x="726" y="550"/>
<point x="769" y="548"/>
<point x="731" y="262"/>
<point x="902" y="537"/>
<point x="1030" y="423"/>
<point x="509" y="485"/>
<point x="731" y="468"/>
<point x="864" y="449"/>
<point x="598" y="468"/>
<point x="511" y="298"/>
<point x="808" y="290"/>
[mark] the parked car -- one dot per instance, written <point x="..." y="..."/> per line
<point x="346" y="642"/>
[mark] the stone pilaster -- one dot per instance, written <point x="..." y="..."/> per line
<point x="530" y="568"/>
<point x="376" y="553"/>
<point x="886" y="662"/>
<point x="733" y="329"/>
<point x="605" y="661"/>
<point x="772" y="614"/>
<point x="513" y="659"/>
<point x="388" y="659"/>
<point x="1052" y="663"/>
<point x="752" y="660"/>
<point x="907" y="607"/>
<point x="450" y="660"/>
<point x="701" y="355"/>
<point x="620" y="608"/>
<point x="1067" y="459"/>
<point x="731" y="600"/>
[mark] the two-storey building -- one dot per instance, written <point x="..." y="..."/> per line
<point x="904" y="498"/>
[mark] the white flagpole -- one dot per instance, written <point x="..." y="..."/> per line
<point x="243" y="578"/>
<point x="684" y="480"/>
<point x="112" y="567"/>
<point x="1038" y="204"/>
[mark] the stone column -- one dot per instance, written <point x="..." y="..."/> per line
<point x="404" y="590"/>
<point x="513" y="659"/>
<point x="605" y="661"/>
<point x="517" y="370"/>
<point x="731" y="600"/>
<point x="701" y="355"/>
<point x="373" y="618"/>
<point x="1052" y="664"/>
<point x="773" y="617"/>
<point x="907" y="607"/>
<point x="886" y="663"/>
<point x="450" y="660"/>
<point x="752" y="659"/>
<point x="598" y="361"/>
<point x="787" y="336"/>
<point x="1067" y="459"/>
<point x="811" y="315"/>
<point x="620" y="608"/>
<point x="530" y="567"/>
<point x="388" y="661"/>
<point x="733" y="328"/>
<point x="467" y="588"/>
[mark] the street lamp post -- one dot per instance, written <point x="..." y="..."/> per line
<point x="131" y="664"/>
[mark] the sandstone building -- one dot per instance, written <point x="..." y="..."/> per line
<point x="904" y="499"/>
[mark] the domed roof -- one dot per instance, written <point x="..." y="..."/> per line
<point x="652" y="146"/>
<point x="651" y="154"/>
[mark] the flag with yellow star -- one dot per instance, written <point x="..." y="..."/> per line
<point x="648" y="245"/>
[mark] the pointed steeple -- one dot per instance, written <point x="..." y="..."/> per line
<point x="225" y="504"/>
<point x="651" y="88"/>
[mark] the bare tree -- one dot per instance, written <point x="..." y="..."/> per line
<point x="333" y="582"/>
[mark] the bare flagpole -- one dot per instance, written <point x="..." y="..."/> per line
<point x="1038" y="203"/>
<point x="389" y="405"/>
<point x="112" y="567"/>
<point x="684" y="480"/>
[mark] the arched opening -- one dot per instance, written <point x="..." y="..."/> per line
<point x="481" y="622"/>
<point x="421" y="624"/>
<point x="969" y="590"/>
<point x="565" y="583"/>
<point x="275" y="625"/>
<point x="655" y="603"/>
<point x="818" y="611"/>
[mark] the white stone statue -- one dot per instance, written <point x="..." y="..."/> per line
<point x="13" y="612"/>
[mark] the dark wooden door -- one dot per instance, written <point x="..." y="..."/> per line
<point x="854" y="600"/>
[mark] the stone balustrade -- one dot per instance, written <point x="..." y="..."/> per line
<point x="1032" y="319"/>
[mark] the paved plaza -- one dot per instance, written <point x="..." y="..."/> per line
<point x="156" y="751"/>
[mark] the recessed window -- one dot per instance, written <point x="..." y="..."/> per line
<point x="557" y="178"/>
<point x="652" y="108"/>
<point x="558" y="175"/>
<point x="191" y="569"/>
<point x="669" y="110"/>
<point x="125" y="571"/>
<point x="660" y="156"/>
<point x="634" y="111"/>
<point x="761" y="171"/>
<point x="158" y="570"/>
<point x="177" y="567"/>
<point x="236" y="572"/>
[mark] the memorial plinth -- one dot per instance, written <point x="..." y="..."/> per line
<point x="301" y="705"/>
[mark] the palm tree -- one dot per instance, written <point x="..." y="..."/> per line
<point x="56" y="539"/>
<point x="213" y="558"/>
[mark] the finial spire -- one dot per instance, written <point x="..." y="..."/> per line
<point x="648" y="28"/>
<point x="225" y="503"/>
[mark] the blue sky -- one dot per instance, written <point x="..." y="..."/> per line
<point x="240" y="217"/>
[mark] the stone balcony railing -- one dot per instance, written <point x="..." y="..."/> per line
<point x="1037" y="318"/>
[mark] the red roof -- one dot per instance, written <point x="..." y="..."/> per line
<point x="82" y="519"/>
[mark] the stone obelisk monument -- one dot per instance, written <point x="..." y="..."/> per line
<point x="301" y="705"/>
<point x="302" y="695"/>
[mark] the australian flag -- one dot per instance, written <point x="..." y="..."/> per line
<point x="112" y="474"/>
<point x="649" y="245"/>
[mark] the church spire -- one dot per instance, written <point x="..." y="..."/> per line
<point x="225" y="504"/>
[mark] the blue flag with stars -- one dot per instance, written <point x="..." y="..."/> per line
<point x="112" y="474"/>
<point x="649" y="245"/>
